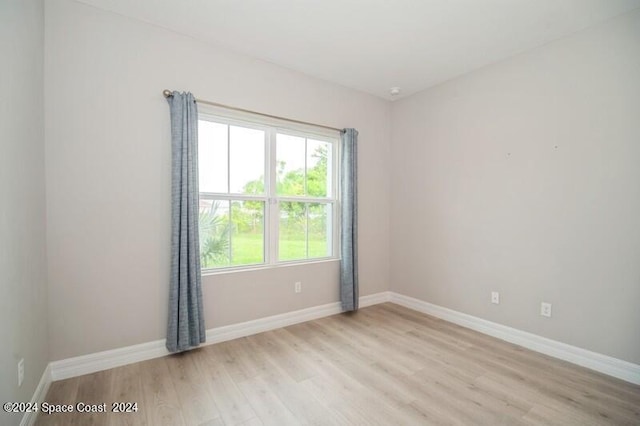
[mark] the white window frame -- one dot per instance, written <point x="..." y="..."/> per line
<point x="271" y="127"/>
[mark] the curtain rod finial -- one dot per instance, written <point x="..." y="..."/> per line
<point x="167" y="93"/>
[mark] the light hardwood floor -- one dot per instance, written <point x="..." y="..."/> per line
<point x="384" y="365"/>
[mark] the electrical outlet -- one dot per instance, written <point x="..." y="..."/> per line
<point x="297" y="287"/>
<point x="495" y="297"/>
<point x="20" y="372"/>
<point x="545" y="309"/>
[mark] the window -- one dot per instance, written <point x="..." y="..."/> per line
<point x="267" y="192"/>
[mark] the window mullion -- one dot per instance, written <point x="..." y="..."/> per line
<point x="306" y="145"/>
<point x="307" y="200"/>
<point x="230" y="232"/>
<point x="228" y="159"/>
<point x="272" y="236"/>
<point x="238" y="197"/>
<point x="306" y="231"/>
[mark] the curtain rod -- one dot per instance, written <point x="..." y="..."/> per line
<point x="168" y="94"/>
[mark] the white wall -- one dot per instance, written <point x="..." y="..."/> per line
<point x="108" y="177"/>
<point x="23" y="291"/>
<point x="523" y="178"/>
<point x="519" y="177"/>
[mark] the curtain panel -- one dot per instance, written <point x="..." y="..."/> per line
<point x="185" y="328"/>
<point x="349" y="220"/>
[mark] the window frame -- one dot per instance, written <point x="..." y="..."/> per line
<point x="272" y="127"/>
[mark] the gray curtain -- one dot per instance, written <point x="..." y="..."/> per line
<point x="186" y="317"/>
<point x="349" y="221"/>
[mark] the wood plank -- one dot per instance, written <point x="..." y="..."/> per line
<point x="307" y="409"/>
<point x="161" y="403"/>
<point x="230" y="401"/>
<point x="197" y="404"/>
<point x="93" y="390"/>
<point x="61" y="392"/>
<point x="241" y="361"/>
<point x="126" y="387"/>
<point x="283" y="356"/>
<point x="266" y="404"/>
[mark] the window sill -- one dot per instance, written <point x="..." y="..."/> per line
<point x="252" y="268"/>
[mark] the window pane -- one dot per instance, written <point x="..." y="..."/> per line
<point x="320" y="230"/>
<point x="247" y="232"/>
<point x="290" y="158"/>
<point x="293" y="231"/>
<point x="214" y="233"/>
<point x="247" y="160"/>
<point x="318" y="171"/>
<point x="212" y="156"/>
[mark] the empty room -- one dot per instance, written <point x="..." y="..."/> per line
<point x="320" y="212"/>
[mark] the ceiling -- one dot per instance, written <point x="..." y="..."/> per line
<point x="373" y="45"/>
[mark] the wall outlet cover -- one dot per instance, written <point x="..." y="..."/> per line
<point x="545" y="309"/>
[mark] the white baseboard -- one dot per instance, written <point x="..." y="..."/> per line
<point x="92" y="363"/>
<point x="234" y="331"/>
<point x="602" y="363"/>
<point x="86" y="364"/>
<point x="374" y="299"/>
<point x="38" y="396"/>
